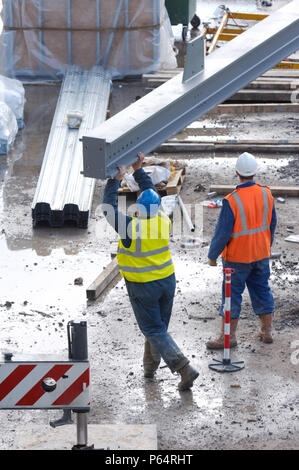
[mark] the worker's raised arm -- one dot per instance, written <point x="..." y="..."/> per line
<point x="120" y="222"/>
<point x="143" y="180"/>
<point x="273" y="224"/>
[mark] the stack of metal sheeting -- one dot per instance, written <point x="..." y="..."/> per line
<point x="63" y="194"/>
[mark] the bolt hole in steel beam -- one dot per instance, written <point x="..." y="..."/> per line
<point x="168" y="109"/>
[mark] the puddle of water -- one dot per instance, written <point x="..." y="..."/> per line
<point x="46" y="281"/>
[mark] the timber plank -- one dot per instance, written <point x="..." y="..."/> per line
<point x="229" y="146"/>
<point x="276" y="190"/>
<point x="109" y="274"/>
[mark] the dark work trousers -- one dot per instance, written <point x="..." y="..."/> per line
<point x="152" y="305"/>
<point x="256" y="277"/>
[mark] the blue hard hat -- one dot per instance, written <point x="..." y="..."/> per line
<point x="148" y="202"/>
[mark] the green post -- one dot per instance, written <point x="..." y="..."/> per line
<point x="180" y="11"/>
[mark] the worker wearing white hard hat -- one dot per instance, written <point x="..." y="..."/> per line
<point x="246" y="165"/>
<point x="243" y="237"/>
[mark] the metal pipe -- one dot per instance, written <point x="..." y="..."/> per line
<point x="82" y="433"/>
<point x="186" y="215"/>
<point x="77" y="343"/>
<point x="77" y="340"/>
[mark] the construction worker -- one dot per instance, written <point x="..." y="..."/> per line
<point x="243" y="236"/>
<point x="145" y="263"/>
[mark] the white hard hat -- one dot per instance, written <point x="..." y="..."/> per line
<point x="246" y="165"/>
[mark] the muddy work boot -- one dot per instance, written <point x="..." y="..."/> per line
<point x="188" y="375"/>
<point x="218" y="343"/>
<point x="266" y="328"/>
<point x="151" y="360"/>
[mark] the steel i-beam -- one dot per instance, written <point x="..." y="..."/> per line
<point x="162" y="113"/>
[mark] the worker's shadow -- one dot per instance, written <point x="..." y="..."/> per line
<point x="156" y="393"/>
<point x="153" y="391"/>
<point x="187" y="397"/>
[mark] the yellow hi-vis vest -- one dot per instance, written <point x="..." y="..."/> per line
<point x="148" y="258"/>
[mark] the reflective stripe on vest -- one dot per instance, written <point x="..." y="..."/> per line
<point x="142" y="254"/>
<point x="145" y="269"/>
<point x="245" y="230"/>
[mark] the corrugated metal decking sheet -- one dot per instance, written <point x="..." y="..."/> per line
<point x="63" y="194"/>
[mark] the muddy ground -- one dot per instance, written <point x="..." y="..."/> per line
<point x="256" y="408"/>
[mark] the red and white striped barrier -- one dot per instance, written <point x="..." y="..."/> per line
<point x="44" y="385"/>
<point x="226" y="365"/>
<point x="227" y="308"/>
<point x="51" y="383"/>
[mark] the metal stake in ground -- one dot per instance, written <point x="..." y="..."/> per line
<point x="226" y="365"/>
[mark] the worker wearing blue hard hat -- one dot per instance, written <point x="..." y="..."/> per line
<point x="148" y="202"/>
<point x="145" y="263"/>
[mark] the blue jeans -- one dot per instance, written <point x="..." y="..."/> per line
<point x="152" y="305"/>
<point x="255" y="276"/>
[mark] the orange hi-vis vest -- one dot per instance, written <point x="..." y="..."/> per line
<point x="251" y="237"/>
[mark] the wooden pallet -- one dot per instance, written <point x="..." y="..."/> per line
<point x="173" y="186"/>
<point x="272" y="87"/>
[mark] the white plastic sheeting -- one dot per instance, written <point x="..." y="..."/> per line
<point x="157" y="174"/>
<point x="13" y="94"/>
<point x="1" y="22"/>
<point x="12" y="101"/>
<point x="127" y="37"/>
<point x="8" y="128"/>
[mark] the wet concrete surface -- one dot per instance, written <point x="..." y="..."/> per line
<point x="251" y="409"/>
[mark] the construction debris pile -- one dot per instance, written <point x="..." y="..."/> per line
<point x="162" y="173"/>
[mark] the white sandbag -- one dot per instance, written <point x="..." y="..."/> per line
<point x="168" y="59"/>
<point x="13" y="94"/>
<point x="157" y="174"/>
<point x="8" y="128"/>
